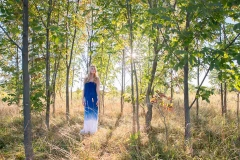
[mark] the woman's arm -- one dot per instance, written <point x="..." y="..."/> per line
<point x="98" y="90"/>
<point x="83" y="99"/>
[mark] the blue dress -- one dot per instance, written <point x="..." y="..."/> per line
<point x="91" y="109"/>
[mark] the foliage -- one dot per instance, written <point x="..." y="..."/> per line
<point x="159" y="31"/>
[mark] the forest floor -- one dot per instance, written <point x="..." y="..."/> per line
<point x="213" y="136"/>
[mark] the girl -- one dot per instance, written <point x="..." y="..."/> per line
<point x="90" y="101"/>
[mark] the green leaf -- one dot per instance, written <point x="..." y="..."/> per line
<point x="157" y="25"/>
<point x="211" y="66"/>
<point x="57" y="40"/>
<point x="180" y="52"/>
<point x="53" y="28"/>
<point x="236" y="27"/>
<point x="180" y="64"/>
<point x="37" y="28"/>
<point x="205" y="93"/>
<point x="237" y="57"/>
<point x="166" y="18"/>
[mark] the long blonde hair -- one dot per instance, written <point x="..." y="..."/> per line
<point x="95" y="75"/>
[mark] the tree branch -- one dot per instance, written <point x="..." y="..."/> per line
<point x="209" y="69"/>
<point x="39" y="14"/>
<point x="10" y="38"/>
<point x="165" y="41"/>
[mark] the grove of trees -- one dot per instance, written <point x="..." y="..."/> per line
<point x="163" y="44"/>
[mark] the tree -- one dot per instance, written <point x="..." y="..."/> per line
<point x="48" y="92"/>
<point x="123" y="81"/>
<point x="130" y="23"/>
<point x="69" y="61"/>
<point x="186" y="92"/>
<point x="26" y="93"/>
<point x="156" y="38"/>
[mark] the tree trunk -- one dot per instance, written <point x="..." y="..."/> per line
<point x="225" y="98"/>
<point x="90" y="43"/>
<point x="68" y="64"/>
<point x="68" y="72"/>
<point x="221" y="93"/>
<point x="123" y="81"/>
<point x="56" y="66"/>
<point x="48" y="95"/>
<point x="100" y="76"/>
<point x="171" y="101"/>
<point x="221" y="84"/>
<point x="26" y="84"/>
<point x="137" y="100"/>
<point x="67" y="95"/>
<point x="72" y="84"/>
<point x="149" y="90"/>
<point x="17" y="79"/>
<point x="148" y="117"/>
<point x="104" y="83"/>
<point x="198" y="83"/>
<point x="129" y="19"/>
<point x="186" y="94"/>
<point x="54" y="85"/>
<point x="238" y="119"/>
<point x="186" y="103"/>
<point x="225" y="83"/>
<point x="32" y="61"/>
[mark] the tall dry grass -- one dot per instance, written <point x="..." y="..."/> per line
<point x="213" y="136"/>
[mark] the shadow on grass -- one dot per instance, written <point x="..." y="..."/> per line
<point x="218" y="142"/>
<point x="44" y="142"/>
<point x="11" y="139"/>
<point x="109" y="135"/>
<point x="153" y="149"/>
<point x="64" y="136"/>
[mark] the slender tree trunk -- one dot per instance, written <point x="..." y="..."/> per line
<point x="90" y="44"/>
<point x="140" y="80"/>
<point x="68" y="72"/>
<point x="171" y="101"/>
<point x="67" y="95"/>
<point x="56" y="66"/>
<point x="17" y="79"/>
<point x="225" y="83"/>
<point x="137" y="96"/>
<point x="123" y="82"/>
<point x="32" y="61"/>
<point x="186" y="103"/>
<point x="68" y="64"/>
<point x="150" y="87"/>
<point x="225" y="98"/>
<point x="221" y="93"/>
<point x="129" y="19"/>
<point x="53" y="90"/>
<point x="104" y="83"/>
<point x="198" y="83"/>
<point x="238" y="119"/>
<point x="48" y="94"/>
<point x="221" y="84"/>
<point x="72" y="84"/>
<point x="133" y="99"/>
<point x="100" y="76"/>
<point x="26" y="91"/>
<point x="186" y="94"/>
